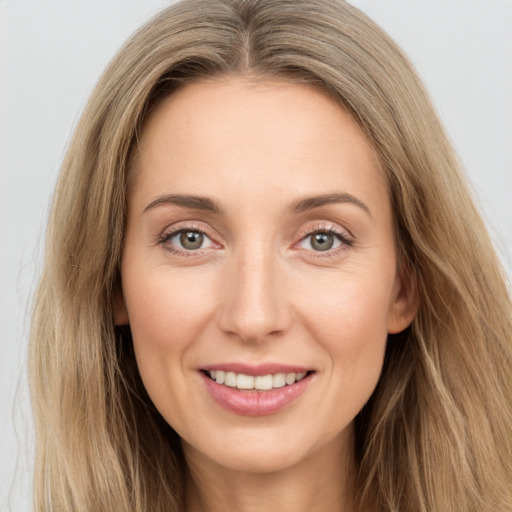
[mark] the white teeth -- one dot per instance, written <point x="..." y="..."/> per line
<point x="230" y="379"/>
<point x="290" y="378"/>
<point x="259" y="383"/>
<point x="245" y="381"/>
<point x="279" y="380"/>
<point x="263" y="382"/>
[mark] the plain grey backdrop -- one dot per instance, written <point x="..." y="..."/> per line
<point x="51" y="54"/>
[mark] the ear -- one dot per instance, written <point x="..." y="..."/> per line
<point x="119" y="307"/>
<point x="406" y="300"/>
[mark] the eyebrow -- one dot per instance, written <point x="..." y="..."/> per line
<point x="186" y="201"/>
<point x="311" y="203"/>
<point x="210" y="205"/>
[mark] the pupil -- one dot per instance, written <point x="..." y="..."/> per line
<point x="191" y="240"/>
<point x="322" y="241"/>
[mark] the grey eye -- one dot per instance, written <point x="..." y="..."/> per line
<point x="190" y="240"/>
<point x="322" y="241"/>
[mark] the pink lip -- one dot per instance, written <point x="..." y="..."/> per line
<point x="255" y="403"/>
<point x="255" y="370"/>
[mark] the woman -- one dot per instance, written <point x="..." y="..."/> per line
<point x="266" y="284"/>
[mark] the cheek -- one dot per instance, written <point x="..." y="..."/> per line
<point x="165" y="308"/>
<point x="351" y="308"/>
<point x="166" y="313"/>
<point x="349" y="320"/>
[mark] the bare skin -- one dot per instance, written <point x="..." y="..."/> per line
<point x="260" y="233"/>
<point x="322" y="486"/>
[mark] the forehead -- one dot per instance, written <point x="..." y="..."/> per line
<point x="224" y="135"/>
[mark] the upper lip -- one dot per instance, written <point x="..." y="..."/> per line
<point x="258" y="369"/>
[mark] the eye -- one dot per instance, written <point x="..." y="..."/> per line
<point x="188" y="240"/>
<point x="321" y="241"/>
<point x="324" y="240"/>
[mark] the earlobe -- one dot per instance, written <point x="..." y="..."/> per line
<point x="119" y="309"/>
<point x="406" y="303"/>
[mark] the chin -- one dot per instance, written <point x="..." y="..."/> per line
<point x="259" y="460"/>
<point x="260" y="451"/>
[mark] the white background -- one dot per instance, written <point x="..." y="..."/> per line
<point x="51" y="53"/>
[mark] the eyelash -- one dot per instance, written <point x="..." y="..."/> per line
<point x="346" y="241"/>
<point x="168" y="235"/>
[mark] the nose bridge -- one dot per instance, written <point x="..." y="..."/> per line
<point x="255" y="304"/>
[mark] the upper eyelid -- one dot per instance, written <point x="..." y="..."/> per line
<point x="319" y="226"/>
<point x="184" y="226"/>
<point x="172" y="233"/>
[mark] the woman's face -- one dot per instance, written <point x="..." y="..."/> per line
<point x="259" y="254"/>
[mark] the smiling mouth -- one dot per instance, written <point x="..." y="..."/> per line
<point x="245" y="382"/>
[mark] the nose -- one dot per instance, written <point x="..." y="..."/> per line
<point x="255" y="306"/>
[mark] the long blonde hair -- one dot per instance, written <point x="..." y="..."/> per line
<point x="437" y="432"/>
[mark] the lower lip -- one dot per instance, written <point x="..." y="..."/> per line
<point x="255" y="403"/>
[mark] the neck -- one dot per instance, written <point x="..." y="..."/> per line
<point x="318" y="483"/>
